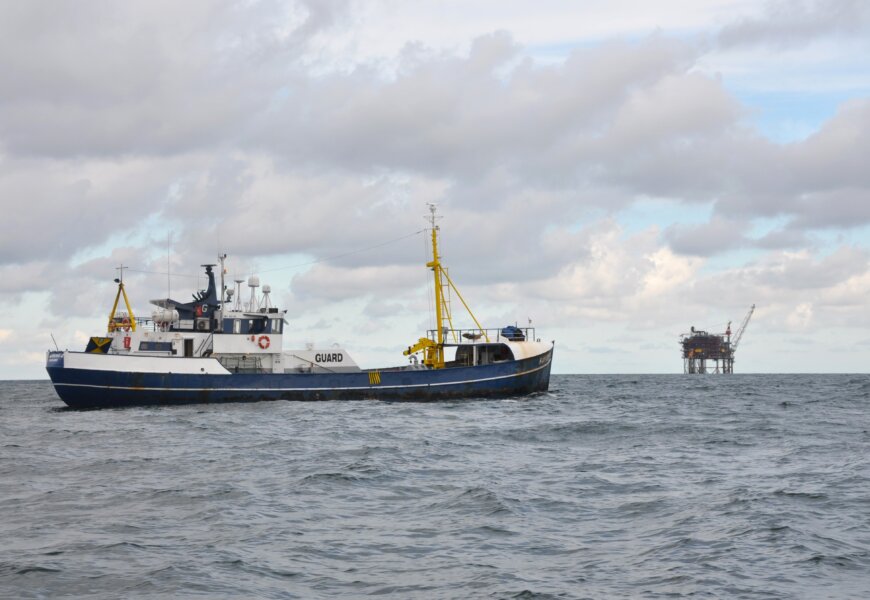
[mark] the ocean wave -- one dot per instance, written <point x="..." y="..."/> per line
<point x="607" y="486"/>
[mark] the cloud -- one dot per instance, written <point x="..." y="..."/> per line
<point x="335" y="284"/>
<point x="54" y="209"/>
<point x="801" y="317"/>
<point x="802" y="271"/>
<point x="782" y="240"/>
<point x="107" y="79"/>
<point x="464" y="117"/>
<point x="613" y="121"/>
<point x="710" y="238"/>
<point x="837" y="209"/>
<point x="29" y="276"/>
<point x="796" y="23"/>
<point x="616" y="274"/>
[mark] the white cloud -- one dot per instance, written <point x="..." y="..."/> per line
<point x="801" y="317"/>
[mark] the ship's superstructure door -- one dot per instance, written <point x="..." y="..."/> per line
<point x="188" y="347"/>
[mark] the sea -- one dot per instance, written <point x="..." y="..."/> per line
<point x="607" y="486"/>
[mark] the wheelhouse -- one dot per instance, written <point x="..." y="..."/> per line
<point x="253" y="324"/>
<point x="482" y="354"/>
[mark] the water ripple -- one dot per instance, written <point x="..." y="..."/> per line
<point x="606" y="486"/>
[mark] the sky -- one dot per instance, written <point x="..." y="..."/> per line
<point x="615" y="172"/>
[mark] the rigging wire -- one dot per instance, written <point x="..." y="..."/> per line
<point x="429" y="294"/>
<point x="326" y="258"/>
<point x="132" y="270"/>
<point x="297" y="266"/>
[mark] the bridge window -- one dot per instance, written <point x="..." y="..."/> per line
<point x="155" y="346"/>
<point x="486" y="354"/>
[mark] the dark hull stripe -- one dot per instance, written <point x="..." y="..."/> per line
<point x="85" y="388"/>
<point x="299" y="389"/>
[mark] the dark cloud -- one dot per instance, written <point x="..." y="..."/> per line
<point x="110" y="79"/>
<point x="718" y="235"/>
<point x="782" y="239"/>
<point x="334" y="284"/>
<point x="258" y="140"/>
<point x="55" y="209"/>
<point x="466" y="117"/>
<point x="834" y="209"/>
<point x="28" y="276"/>
<point x="797" y="22"/>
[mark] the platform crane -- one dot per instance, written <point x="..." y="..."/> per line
<point x="738" y="335"/>
<point x="699" y="347"/>
<point x="742" y="329"/>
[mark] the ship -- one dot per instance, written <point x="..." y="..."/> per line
<point x="217" y="348"/>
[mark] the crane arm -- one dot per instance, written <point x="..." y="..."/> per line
<point x="422" y="344"/>
<point x="739" y="335"/>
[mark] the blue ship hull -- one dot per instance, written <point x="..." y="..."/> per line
<point x="85" y="388"/>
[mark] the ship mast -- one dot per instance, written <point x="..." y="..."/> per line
<point x="131" y="319"/>
<point x="222" y="257"/>
<point x="435" y="265"/>
<point x="433" y="346"/>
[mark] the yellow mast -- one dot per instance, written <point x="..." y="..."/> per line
<point x="433" y="350"/>
<point x="435" y="264"/>
<point x="112" y="325"/>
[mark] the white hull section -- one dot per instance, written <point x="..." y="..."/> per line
<point x="131" y="363"/>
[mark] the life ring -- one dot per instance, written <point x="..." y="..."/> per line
<point x="263" y="341"/>
<point x="126" y="324"/>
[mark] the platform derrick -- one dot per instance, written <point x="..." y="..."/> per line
<point x="701" y="348"/>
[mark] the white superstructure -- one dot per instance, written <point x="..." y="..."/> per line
<point x="223" y="337"/>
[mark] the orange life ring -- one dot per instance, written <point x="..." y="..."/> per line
<point x="126" y="324"/>
<point x="263" y="341"/>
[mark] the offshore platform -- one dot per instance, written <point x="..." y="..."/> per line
<point x="699" y="347"/>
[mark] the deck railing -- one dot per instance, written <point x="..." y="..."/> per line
<point x="143" y="323"/>
<point x="454" y="337"/>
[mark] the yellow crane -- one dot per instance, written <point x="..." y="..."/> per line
<point x="130" y="320"/>
<point x="433" y="349"/>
